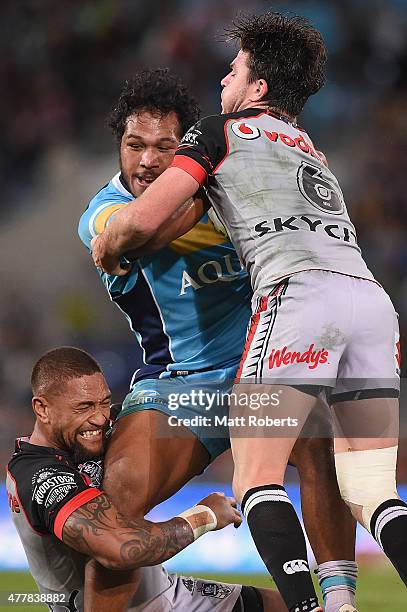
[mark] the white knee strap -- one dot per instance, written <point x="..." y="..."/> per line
<point x="367" y="478"/>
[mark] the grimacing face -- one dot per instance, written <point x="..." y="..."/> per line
<point x="79" y="415"/>
<point x="235" y="85"/>
<point x="147" y="148"/>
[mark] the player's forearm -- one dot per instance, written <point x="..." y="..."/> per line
<point x="135" y="224"/>
<point x="181" y="222"/>
<point x="139" y="221"/>
<point x="153" y="543"/>
<point x="99" y="531"/>
<point x="127" y="231"/>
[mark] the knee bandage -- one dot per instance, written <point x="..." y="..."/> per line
<point x="367" y="478"/>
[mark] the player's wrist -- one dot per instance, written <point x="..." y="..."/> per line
<point x="201" y="519"/>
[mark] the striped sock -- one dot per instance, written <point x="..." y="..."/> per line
<point x="388" y="526"/>
<point x="279" y="538"/>
<point x="337" y="580"/>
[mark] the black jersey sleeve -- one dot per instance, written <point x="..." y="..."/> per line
<point x="49" y="490"/>
<point x="202" y="148"/>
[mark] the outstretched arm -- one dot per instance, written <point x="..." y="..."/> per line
<point x="97" y="529"/>
<point x="142" y="219"/>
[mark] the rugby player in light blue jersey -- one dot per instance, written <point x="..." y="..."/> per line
<point x="188" y="304"/>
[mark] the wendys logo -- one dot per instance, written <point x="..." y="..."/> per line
<point x="312" y="357"/>
<point x="397" y="354"/>
<point x="245" y="130"/>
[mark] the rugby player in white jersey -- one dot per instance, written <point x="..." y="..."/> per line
<point x="321" y="325"/>
<point x="152" y="111"/>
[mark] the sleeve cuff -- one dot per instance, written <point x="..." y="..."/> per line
<point x="192" y="167"/>
<point x="73" y="504"/>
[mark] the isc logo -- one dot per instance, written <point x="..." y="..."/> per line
<point x="13" y="503"/>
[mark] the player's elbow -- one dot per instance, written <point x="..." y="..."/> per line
<point x="121" y="554"/>
<point x="114" y="561"/>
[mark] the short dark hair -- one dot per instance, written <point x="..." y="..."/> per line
<point x="287" y="52"/>
<point x="157" y="91"/>
<point x="58" y="365"/>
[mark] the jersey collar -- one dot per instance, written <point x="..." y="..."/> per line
<point x="119" y="182"/>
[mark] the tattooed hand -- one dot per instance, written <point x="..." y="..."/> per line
<point x="97" y="529"/>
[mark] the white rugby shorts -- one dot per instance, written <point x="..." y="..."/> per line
<point x="173" y="593"/>
<point x="323" y="329"/>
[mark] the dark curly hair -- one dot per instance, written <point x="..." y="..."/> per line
<point x="158" y="91"/>
<point x="287" y="52"/>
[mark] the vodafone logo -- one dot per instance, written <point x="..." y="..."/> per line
<point x="245" y="130"/>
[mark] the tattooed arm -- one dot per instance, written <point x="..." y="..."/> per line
<point x="97" y="529"/>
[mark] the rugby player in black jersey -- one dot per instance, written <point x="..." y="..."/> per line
<point x="63" y="517"/>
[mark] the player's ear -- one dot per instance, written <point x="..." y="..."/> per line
<point x="41" y="408"/>
<point x="259" y="90"/>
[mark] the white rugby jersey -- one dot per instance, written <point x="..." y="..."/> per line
<point x="282" y="207"/>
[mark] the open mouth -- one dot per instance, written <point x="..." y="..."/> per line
<point x="145" y="181"/>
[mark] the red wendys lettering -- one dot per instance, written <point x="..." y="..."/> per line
<point x="273" y="136"/>
<point x="312" y="357"/>
<point x="245" y="129"/>
<point x="398" y="354"/>
<point x="287" y="140"/>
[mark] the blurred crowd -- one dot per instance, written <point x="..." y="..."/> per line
<point x="62" y="65"/>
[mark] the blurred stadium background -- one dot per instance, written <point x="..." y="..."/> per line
<point x="62" y="64"/>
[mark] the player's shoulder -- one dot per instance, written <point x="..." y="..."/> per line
<point x="108" y="200"/>
<point x="115" y="190"/>
<point x="30" y="460"/>
<point x="213" y="126"/>
<point x="44" y="481"/>
<point x="33" y="472"/>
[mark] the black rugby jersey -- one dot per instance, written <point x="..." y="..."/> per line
<point x="44" y="487"/>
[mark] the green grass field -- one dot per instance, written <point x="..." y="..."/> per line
<point x="379" y="589"/>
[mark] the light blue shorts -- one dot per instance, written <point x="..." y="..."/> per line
<point x="198" y="401"/>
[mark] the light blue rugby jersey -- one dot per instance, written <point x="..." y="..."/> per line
<point x="188" y="304"/>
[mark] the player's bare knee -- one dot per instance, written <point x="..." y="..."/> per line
<point x="261" y="478"/>
<point x="238" y="489"/>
